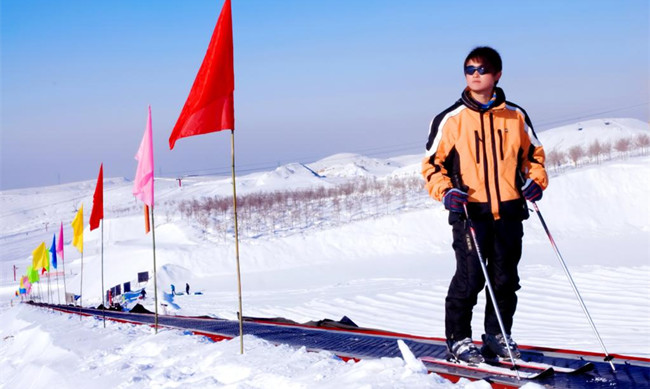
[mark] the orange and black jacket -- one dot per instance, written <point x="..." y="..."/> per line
<point x="487" y="153"/>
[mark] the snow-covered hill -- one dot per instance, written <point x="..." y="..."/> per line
<point x="385" y="264"/>
<point x="606" y="131"/>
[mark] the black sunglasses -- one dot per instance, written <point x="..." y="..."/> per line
<point x="469" y="70"/>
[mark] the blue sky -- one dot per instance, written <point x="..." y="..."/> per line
<point x="312" y="78"/>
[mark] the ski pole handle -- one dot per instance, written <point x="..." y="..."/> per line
<point x="457" y="182"/>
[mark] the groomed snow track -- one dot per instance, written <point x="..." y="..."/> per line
<point x="356" y="343"/>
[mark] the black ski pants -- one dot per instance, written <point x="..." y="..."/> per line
<point x="500" y="246"/>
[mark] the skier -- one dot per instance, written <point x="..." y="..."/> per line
<point x="187" y="288"/>
<point x="483" y="157"/>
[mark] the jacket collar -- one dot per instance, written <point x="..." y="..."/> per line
<point x="467" y="100"/>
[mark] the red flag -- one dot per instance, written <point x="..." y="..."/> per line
<point x="210" y="105"/>
<point x="98" y="201"/>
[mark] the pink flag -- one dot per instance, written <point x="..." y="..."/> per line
<point x="143" y="183"/>
<point x="26" y="284"/>
<point x="59" y="245"/>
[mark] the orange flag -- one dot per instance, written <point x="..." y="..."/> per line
<point x="147" y="226"/>
<point x="210" y="106"/>
<point x="97" y="213"/>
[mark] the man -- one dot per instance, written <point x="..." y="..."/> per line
<point x="484" y="157"/>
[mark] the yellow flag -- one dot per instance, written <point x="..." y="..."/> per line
<point x="40" y="259"/>
<point x="78" y="230"/>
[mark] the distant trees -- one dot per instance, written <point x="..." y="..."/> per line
<point x="288" y="211"/>
<point x="598" y="151"/>
<point x="291" y="211"/>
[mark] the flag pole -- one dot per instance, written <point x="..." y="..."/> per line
<point x="103" y="293"/>
<point x="155" y="278"/>
<point x="234" y="199"/>
<point x="143" y="189"/>
<point x="65" y="290"/>
<point x="55" y="262"/>
<point x="81" y="287"/>
<point x="58" y="288"/>
<point x="210" y="108"/>
<point x="49" y="290"/>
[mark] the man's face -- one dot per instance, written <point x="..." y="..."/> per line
<point x="480" y="83"/>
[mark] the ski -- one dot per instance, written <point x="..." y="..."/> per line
<point x="543" y="366"/>
<point x="489" y="369"/>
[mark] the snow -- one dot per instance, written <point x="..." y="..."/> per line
<point x="584" y="133"/>
<point x="387" y="266"/>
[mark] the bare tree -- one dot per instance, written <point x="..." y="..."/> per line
<point x="595" y="150"/>
<point x="204" y="221"/>
<point x="642" y="141"/>
<point x="555" y="158"/>
<point x="575" y="154"/>
<point x="607" y="150"/>
<point x="623" y="146"/>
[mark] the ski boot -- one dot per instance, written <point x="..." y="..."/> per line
<point x="496" y="346"/>
<point x="465" y="350"/>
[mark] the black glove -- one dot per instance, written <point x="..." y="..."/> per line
<point x="454" y="199"/>
<point x="531" y="191"/>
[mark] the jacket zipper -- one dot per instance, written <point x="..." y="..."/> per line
<point x="486" y="171"/>
<point x="500" y="143"/>
<point x="478" y="151"/>
<point x="494" y="157"/>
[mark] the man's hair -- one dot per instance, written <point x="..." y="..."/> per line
<point x="489" y="57"/>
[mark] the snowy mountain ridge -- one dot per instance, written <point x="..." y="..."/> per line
<point x="331" y="170"/>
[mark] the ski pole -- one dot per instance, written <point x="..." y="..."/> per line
<point x="458" y="184"/>
<point x="608" y="358"/>
<point x="489" y="286"/>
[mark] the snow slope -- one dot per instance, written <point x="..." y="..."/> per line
<point x="584" y="133"/>
<point x="387" y="270"/>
